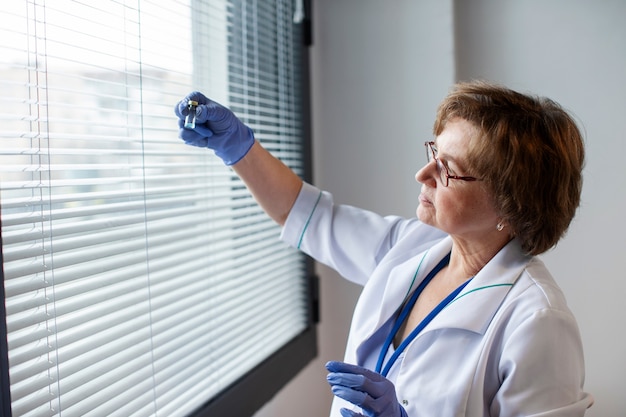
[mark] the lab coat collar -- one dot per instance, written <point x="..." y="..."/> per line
<point x="394" y="295"/>
<point x="474" y="308"/>
<point x="476" y="305"/>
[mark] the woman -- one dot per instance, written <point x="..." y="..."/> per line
<point x="458" y="317"/>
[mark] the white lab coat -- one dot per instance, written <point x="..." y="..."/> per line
<point x="506" y="346"/>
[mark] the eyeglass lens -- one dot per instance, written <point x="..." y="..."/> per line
<point x="431" y="153"/>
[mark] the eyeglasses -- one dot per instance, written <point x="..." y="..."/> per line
<point x="442" y="170"/>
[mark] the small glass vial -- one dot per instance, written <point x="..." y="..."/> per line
<point x="190" y="119"/>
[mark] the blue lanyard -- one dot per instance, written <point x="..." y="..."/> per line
<point x="404" y="314"/>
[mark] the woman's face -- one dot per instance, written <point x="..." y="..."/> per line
<point x="464" y="209"/>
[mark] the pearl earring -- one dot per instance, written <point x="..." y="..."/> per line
<point x="499" y="227"/>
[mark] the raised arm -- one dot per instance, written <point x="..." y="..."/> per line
<point x="274" y="185"/>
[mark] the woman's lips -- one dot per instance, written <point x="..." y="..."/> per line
<point x="425" y="200"/>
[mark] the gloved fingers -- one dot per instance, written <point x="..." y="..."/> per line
<point x="336" y="366"/>
<point x="216" y="127"/>
<point x="218" y="116"/>
<point x="359" y="383"/>
<point x="357" y="377"/>
<point x="346" y="380"/>
<point x="373" y="406"/>
<point x="351" y="395"/>
<point x="191" y="137"/>
<point x="367" y="389"/>
<point x="200" y="130"/>
<point x="198" y="97"/>
<point x="182" y="107"/>
<point x="349" y="413"/>
<point x="208" y="111"/>
<point x="198" y="141"/>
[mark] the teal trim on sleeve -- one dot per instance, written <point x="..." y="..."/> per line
<point x="306" y="225"/>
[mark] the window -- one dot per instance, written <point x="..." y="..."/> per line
<point x="140" y="278"/>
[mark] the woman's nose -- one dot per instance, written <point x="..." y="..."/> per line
<point x="427" y="173"/>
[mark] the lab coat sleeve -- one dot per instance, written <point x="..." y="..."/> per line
<point x="348" y="239"/>
<point x="541" y="369"/>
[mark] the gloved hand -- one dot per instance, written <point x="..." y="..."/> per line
<point x="216" y="128"/>
<point x="371" y="391"/>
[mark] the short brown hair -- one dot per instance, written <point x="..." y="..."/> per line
<point x="530" y="154"/>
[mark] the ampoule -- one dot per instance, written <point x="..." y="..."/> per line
<point x="190" y="119"/>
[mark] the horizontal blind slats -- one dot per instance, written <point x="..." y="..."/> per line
<point x="130" y="258"/>
<point x="129" y="251"/>
<point x="78" y="239"/>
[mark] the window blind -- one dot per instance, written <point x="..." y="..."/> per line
<point x="140" y="277"/>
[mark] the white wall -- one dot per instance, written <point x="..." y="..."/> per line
<point x="378" y="73"/>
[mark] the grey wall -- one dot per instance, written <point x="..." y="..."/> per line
<point x="378" y="73"/>
<point x="575" y="52"/>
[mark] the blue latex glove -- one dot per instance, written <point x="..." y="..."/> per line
<point x="216" y="128"/>
<point x="371" y="391"/>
